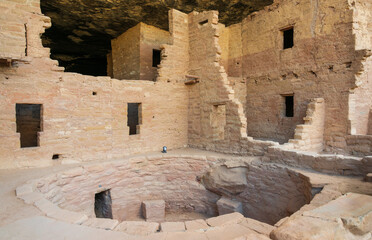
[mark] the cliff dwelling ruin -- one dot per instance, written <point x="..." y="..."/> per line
<point x="186" y="119"/>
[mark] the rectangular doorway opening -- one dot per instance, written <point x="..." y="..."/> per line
<point x="289" y="105"/>
<point x="156" y="57"/>
<point x="287" y="38"/>
<point x="28" y="120"/>
<point x="103" y="204"/>
<point x="134" y="118"/>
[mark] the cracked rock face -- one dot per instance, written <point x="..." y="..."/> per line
<point x="82" y="29"/>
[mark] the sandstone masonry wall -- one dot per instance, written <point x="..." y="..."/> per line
<point x="175" y="56"/>
<point x="151" y="38"/>
<point x="309" y="136"/>
<point x="84" y="118"/>
<point x="126" y="54"/>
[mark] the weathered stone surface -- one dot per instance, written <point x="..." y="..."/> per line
<point x="137" y="228"/>
<point x="347" y="217"/>
<point x="172" y="227"/>
<point x="102" y="223"/>
<point x="226" y="205"/>
<point x="223" y="179"/>
<point x="25" y="189"/>
<point x="29" y="229"/>
<point x="233" y="231"/>
<point x="224" y="220"/>
<point x="257" y="226"/>
<point x="68" y="216"/>
<point x="153" y="210"/>
<point x="196" y="225"/>
<point x="368" y="177"/>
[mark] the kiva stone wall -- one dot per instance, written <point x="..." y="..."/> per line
<point x="155" y="177"/>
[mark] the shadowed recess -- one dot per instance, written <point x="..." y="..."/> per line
<point x="81" y="30"/>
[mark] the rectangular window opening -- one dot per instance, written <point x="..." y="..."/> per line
<point x="156" y="57"/>
<point x="203" y="22"/>
<point x="28" y="120"/>
<point x="289" y="105"/>
<point x="103" y="204"/>
<point x="134" y="118"/>
<point x="287" y="38"/>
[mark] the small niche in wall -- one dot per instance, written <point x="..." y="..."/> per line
<point x="218" y="121"/>
<point x="28" y="120"/>
<point x="55" y="156"/>
<point x="156" y="57"/>
<point x="134" y="118"/>
<point x="289" y="105"/>
<point x="288" y="38"/>
<point x="203" y="22"/>
<point x="103" y="204"/>
<point x="94" y="93"/>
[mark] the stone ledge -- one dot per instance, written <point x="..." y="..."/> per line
<point x="227" y="219"/>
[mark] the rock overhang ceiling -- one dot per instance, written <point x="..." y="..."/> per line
<point x="82" y="29"/>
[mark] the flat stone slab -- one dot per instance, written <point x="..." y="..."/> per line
<point x="102" y="223"/>
<point x="196" y="225"/>
<point x="68" y="216"/>
<point x="25" y="189"/>
<point x="224" y="220"/>
<point x="351" y="205"/>
<point x="153" y="210"/>
<point x="137" y="227"/>
<point x="186" y="236"/>
<point x="43" y="228"/>
<point x="257" y="226"/>
<point x="172" y="227"/>
<point x="347" y="217"/>
<point x="226" y="205"/>
<point x="233" y="231"/>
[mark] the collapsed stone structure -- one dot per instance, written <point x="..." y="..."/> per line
<point x="288" y="87"/>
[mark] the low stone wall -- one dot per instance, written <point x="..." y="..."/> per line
<point x="325" y="163"/>
<point x="359" y="145"/>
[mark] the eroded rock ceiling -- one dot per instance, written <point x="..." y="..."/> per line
<point x="82" y="29"/>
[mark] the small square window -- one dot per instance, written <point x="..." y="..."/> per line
<point x="288" y="38"/>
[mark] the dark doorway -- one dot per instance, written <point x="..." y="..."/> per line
<point x="156" y="57"/>
<point x="28" y="119"/>
<point x="289" y="106"/>
<point x="288" y="38"/>
<point x="103" y="204"/>
<point x="134" y="117"/>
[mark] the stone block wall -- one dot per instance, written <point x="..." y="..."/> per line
<point x="126" y="54"/>
<point x="84" y="118"/>
<point x="213" y="91"/>
<point x="132" y="52"/>
<point x="175" y="56"/>
<point x="309" y="136"/>
<point x="151" y="38"/>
